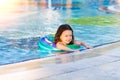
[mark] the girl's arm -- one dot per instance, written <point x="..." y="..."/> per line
<point x="62" y="47"/>
<point x="82" y="43"/>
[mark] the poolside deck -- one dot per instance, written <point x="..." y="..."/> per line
<point x="100" y="63"/>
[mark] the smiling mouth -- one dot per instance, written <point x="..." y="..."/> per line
<point x="68" y="41"/>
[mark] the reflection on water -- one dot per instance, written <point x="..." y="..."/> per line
<point x="69" y="4"/>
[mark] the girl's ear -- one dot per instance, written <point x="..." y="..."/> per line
<point x="60" y="38"/>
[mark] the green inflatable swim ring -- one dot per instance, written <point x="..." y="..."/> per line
<point x="46" y="44"/>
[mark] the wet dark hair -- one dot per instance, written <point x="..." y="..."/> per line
<point x="62" y="28"/>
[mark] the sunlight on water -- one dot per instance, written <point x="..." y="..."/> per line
<point x="8" y="6"/>
<point x="7" y="10"/>
<point x="5" y="4"/>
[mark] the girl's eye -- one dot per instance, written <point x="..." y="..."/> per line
<point x="68" y="35"/>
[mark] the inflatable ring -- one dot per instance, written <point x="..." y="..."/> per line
<point x="46" y="43"/>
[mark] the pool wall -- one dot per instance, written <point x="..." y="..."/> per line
<point x="57" y="65"/>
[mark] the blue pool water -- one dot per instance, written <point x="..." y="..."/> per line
<point x="18" y="41"/>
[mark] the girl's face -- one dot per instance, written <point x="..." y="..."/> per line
<point x="66" y="37"/>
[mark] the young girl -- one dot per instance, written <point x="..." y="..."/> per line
<point x="64" y="36"/>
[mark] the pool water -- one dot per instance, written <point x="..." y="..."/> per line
<point x="18" y="40"/>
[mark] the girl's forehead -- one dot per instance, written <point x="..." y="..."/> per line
<point x="67" y="32"/>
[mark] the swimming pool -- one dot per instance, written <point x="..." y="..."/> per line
<point x="18" y="40"/>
